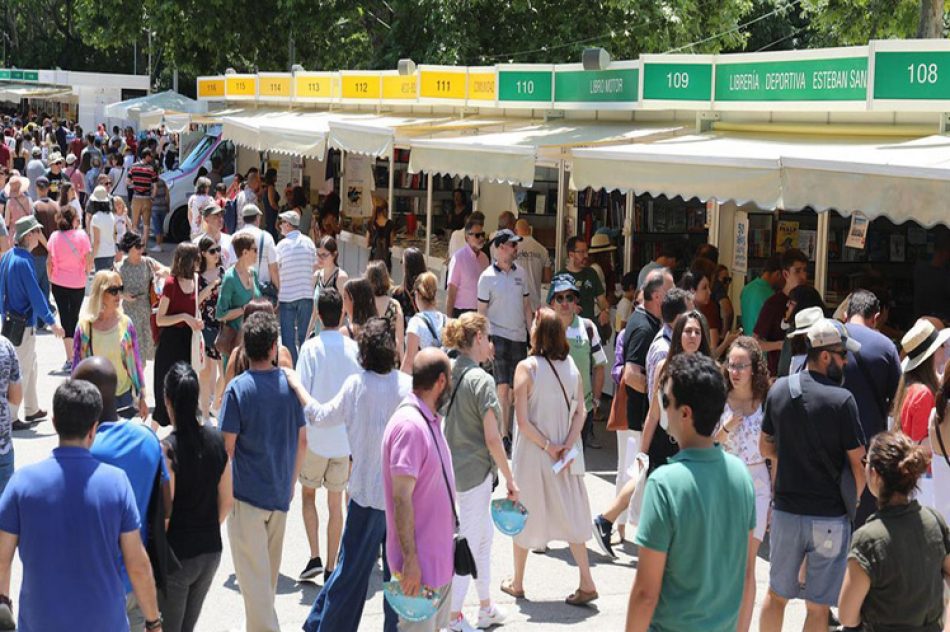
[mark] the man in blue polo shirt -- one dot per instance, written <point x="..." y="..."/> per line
<point x="71" y="517"/>
<point x="134" y="449"/>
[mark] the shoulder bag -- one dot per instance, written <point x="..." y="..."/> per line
<point x="847" y="486"/>
<point x="268" y="290"/>
<point x="227" y="336"/>
<point x="464" y="561"/>
<point x="436" y="337"/>
<point x="197" y="339"/>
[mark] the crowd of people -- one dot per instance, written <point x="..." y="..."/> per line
<point x="275" y="369"/>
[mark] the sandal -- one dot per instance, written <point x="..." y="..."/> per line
<point x="581" y="597"/>
<point x="508" y="590"/>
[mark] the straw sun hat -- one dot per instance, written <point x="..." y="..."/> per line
<point x="921" y="342"/>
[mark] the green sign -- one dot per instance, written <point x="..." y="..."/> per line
<point x="31" y="75"/>
<point x="836" y="79"/>
<point x="677" y="81"/>
<point x="527" y="86"/>
<point x="596" y="86"/>
<point x="4" y="74"/>
<point x="916" y="75"/>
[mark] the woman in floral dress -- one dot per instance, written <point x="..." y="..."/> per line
<point x="138" y="272"/>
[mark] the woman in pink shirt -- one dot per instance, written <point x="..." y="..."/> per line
<point x="923" y="347"/>
<point x="69" y="261"/>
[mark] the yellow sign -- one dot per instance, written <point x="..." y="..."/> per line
<point x="241" y="86"/>
<point x="442" y="84"/>
<point x="399" y="87"/>
<point x="211" y="88"/>
<point x="316" y="86"/>
<point x="274" y="86"/>
<point x="482" y="86"/>
<point x="362" y="86"/>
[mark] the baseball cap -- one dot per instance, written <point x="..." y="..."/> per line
<point x="42" y="182"/>
<point x="828" y="332"/>
<point x="250" y="210"/>
<point x="70" y="159"/>
<point x="505" y="235"/>
<point x="291" y="217"/>
<point x="210" y="209"/>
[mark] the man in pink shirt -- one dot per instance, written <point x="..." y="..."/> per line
<point x="418" y="481"/>
<point x="464" y="269"/>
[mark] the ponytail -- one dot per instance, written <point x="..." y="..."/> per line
<point x="182" y="391"/>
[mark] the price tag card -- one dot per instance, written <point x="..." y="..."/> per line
<point x="210" y="88"/>
<point x="525" y="85"/>
<point x="240" y="87"/>
<point x="911" y="75"/>
<point x="316" y="87"/>
<point x="361" y="87"/>
<point x="442" y="84"/>
<point x="273" y="86"/>
<point x="681" y="82"/>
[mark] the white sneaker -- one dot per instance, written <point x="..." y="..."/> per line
<point x="155" y="248"/>
<point x="461" y="625"/>
<point x="490" y="617"/>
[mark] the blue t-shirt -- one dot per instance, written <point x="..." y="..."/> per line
<point x="134" y="449"/>
<point x="265" y="414"/>
<point x="699" y="510"/>
<point x="872" y="377"/>
<point x="68" y="512"/>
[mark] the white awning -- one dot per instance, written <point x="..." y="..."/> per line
<point x="16" y="91"/>
<point x="903" y="179"/>
<point x="703" y="166"/>
<point x="294" y="133"/>
<point x="377" y="136"/>
<point x="510" y="156"/>
<point x="243" y="127"/>
<point x="160" y="101"/>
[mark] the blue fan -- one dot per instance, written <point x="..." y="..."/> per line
<point x="509" y="516"/>
<point x="419" y="608"/>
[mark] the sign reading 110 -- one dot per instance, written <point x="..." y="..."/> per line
<point x="525" y="86"/>
<point x="923" y="73"/>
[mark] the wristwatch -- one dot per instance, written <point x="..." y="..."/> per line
<point x="154" y="624"/>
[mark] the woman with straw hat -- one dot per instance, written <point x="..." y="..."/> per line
<point x="924" y="356"/>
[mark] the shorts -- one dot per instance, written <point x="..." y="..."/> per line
<point x="320" y="471"/>
<point x="762" y="483"/>
<point x="158" y="220"/>
<point x="508" y="353"/>
<point x="821" y="542"/>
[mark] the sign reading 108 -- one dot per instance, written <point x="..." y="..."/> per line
<point x="923" y="73"/>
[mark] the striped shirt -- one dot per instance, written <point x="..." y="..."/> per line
<point x="296" y="256"/>
<point x="141" y="177"/>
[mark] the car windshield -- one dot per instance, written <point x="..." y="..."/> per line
<point x="197" y="156"/>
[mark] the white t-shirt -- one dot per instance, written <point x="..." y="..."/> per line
<point x="533" y="258"/>
<point x="265" y="257"/>
<point x="119" y="177"/>
<point x="417" y="325"/>
<point x="195" y="203"/>
<point x="624" y="309"/>
<point x="105" y="222"/>
<point x="227" y="251"/>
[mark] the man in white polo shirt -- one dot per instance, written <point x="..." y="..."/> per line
<point x="214" y="221"/>
<point x="267" y="271"/>
<point x="296" y="258"/>
<point x="503" y="298"/>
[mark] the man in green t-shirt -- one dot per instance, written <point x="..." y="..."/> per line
<point x="755" y="294"/>
<point x="588" y="282"/>
<point x="698" y="514"/>
<point x="585" y="348"/>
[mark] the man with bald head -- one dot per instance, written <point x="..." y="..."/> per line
<point x="133" y="448"/>
<point x="536" y="262"/>
<point x="419" y="486"/>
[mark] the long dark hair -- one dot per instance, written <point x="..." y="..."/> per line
<point x="364" y="304"/>
<point x="414" y="264"/>
<point x="676" y="344"/>
<point x="181" y="389"/>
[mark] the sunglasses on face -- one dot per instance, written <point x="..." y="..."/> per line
<point x="480" y="235"/>
<point x="560" y="299"/>
<point x="739" y="367"/>
<point x="115" y="290"/>
<point x="323" y="255"/>
<point x="213" y="250"/>
<point x="841" y="353"/>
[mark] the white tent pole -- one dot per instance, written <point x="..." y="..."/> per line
<point x="428" y="215"/>
<point x="821" y="253"/>
<point x="392" y="172"/>
<point x="559" y="217"/>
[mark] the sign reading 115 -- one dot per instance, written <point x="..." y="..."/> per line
<point x="923" y="73"/>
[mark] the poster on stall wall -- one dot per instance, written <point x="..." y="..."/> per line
<point x="808" y="243"/>
<point x="786" y="236"/>
<point x="858" y="234"/>
<point x="740" y="253"/>
<point x="283" y="168"/>
<point x="359" y="185"/>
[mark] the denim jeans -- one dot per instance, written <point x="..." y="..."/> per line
<point x="39" y="265"/>
<point x="6" y="467"/>
<point x="339" y="606"/>
<point x="294" y="318"/>
<point x="181" y="602"/>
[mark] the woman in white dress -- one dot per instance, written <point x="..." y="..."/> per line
<point x="747" y="382"/>
<point x="550" y="412"/>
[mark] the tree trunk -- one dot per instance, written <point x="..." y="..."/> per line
<point x="931" y="19"/>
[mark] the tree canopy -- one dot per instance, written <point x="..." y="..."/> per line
<point x="207" y="36"/>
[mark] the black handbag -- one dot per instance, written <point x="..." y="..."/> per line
<point x="14" y="326"/>
<point x="464" y="560"/>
